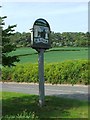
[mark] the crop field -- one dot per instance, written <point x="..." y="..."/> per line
<point x="29" y="55"/>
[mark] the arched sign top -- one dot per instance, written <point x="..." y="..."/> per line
<point x="42" y="22"/>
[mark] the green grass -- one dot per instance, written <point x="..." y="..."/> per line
<point x="27" y="55"/>
<point x="17" y="104"/>
<point x="23" y="51"/>
<point x="59" y="56"/>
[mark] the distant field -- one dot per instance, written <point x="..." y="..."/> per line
<point x="52" y="55"/>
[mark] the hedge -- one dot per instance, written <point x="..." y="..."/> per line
<point x="68" y="72"/>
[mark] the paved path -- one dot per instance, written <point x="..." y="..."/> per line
<point x="69" y="91"/>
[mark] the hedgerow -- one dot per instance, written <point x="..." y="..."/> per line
<point x="68" y="72"/>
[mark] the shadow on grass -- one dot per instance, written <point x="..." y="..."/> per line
<point x="55" y="107"/>
<point x="75" y="96"/>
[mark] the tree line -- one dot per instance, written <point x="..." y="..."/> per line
<point x="75" y="39"/>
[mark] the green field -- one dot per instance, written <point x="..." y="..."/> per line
<point x="25" y="106"/>
<point x="27" y="55"/>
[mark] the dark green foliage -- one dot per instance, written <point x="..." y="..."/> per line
<point x="69" y="72"/>
<point x="21" y="39"/>
<point x="70" y="39"/>
<point x="9" y="60"/>
<point x="7" y="46"/>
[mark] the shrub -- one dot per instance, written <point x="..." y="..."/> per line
<point x="7" y="73"/>
<point x="68" y="72"/>
<point x="25" y="73"/>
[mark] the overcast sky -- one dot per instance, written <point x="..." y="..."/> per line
<point x="62" y="16"/>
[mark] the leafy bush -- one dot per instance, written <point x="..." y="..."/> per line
<point x="25" y="73"/>
<point x="7" y="73"/>
<point x="68" y="72"/>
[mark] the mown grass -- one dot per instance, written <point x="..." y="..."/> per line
<point x="24" y="105"/>
<point x="52" y="55"/>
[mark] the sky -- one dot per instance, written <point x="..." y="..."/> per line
<point x="61" y="16"/>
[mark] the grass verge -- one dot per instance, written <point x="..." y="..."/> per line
<point x="18" y="105"/>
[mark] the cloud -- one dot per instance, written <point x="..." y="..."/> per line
<point x="69" y="10"/>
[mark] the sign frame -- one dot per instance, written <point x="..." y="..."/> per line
<point x="40" y="27"/>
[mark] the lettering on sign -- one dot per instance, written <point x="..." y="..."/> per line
<point x="38" y="40"/>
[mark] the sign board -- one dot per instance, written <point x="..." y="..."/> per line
<point x="40" y="35"/>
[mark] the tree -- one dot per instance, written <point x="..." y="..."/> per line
<point x="7" y="47"/>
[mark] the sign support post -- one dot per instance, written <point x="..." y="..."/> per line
<point x="40" y="40"/>
<point x="41" y="76"/>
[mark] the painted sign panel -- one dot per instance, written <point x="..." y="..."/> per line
<point x="40" y="38"/>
